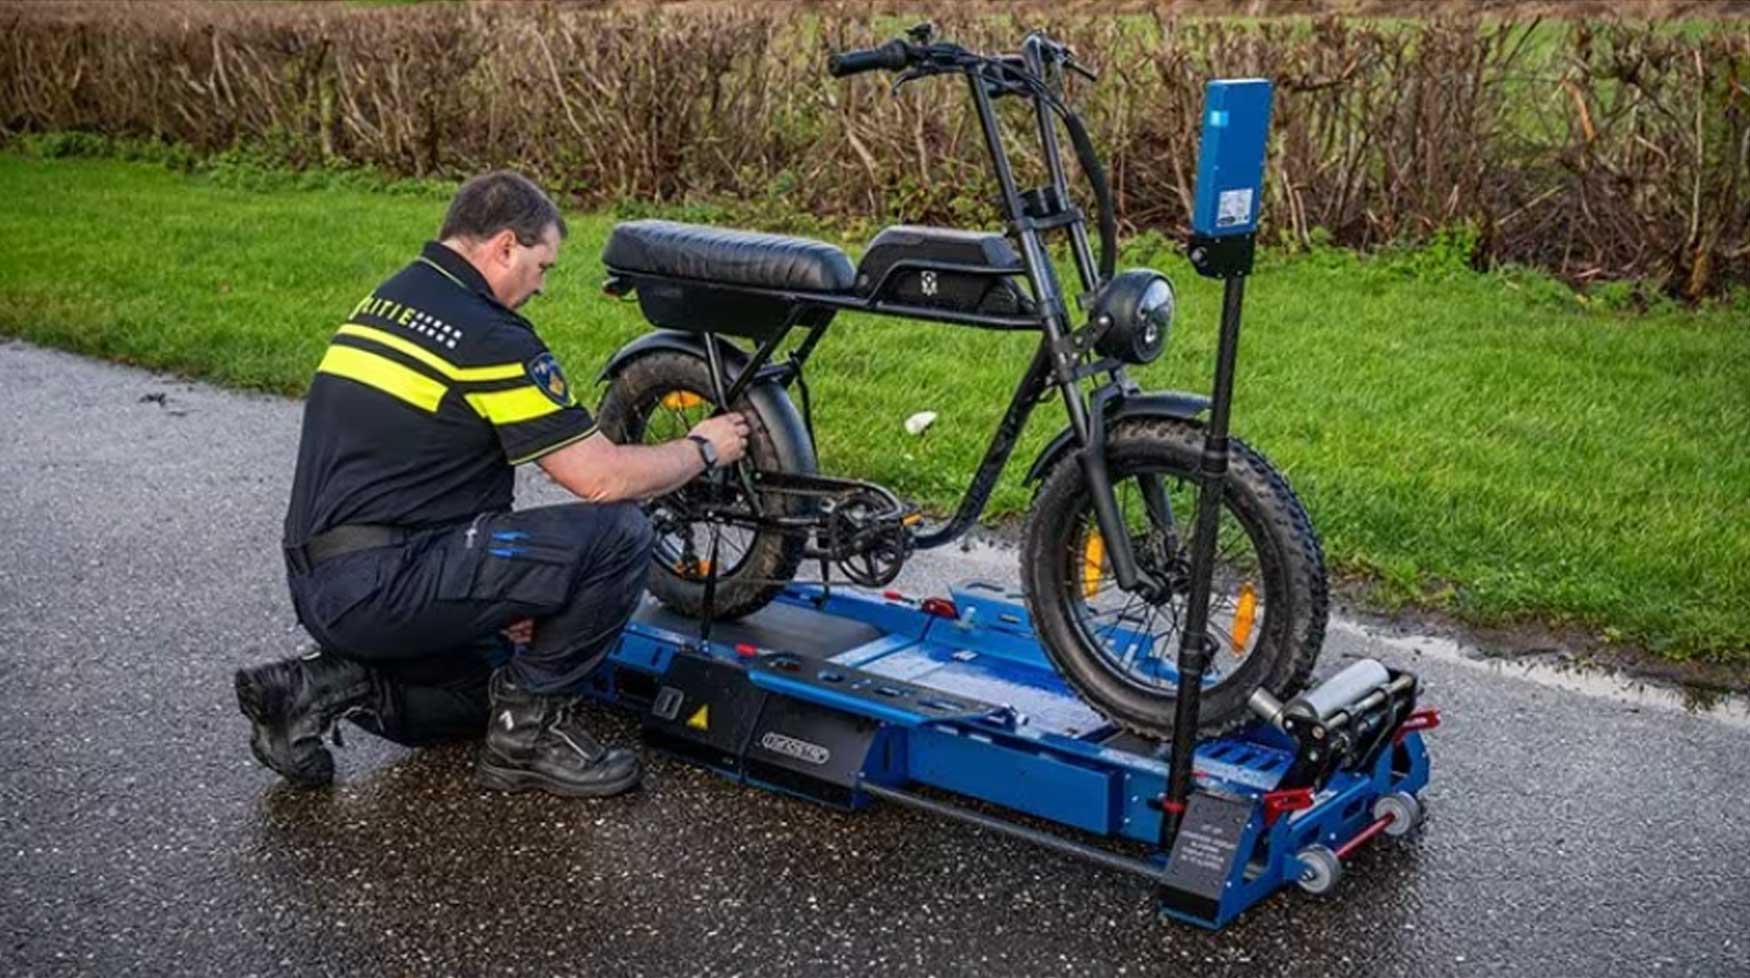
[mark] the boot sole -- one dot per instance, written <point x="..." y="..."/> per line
<point x="517" y="779"/>
<point x="257" y="703"/>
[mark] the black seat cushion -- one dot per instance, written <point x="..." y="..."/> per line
<point x="711" y="254"/>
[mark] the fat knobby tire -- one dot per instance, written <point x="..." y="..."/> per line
<point x="773" y="557"/>
<point x="1296" y="594"/>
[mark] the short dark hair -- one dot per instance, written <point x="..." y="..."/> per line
<point x="493" y="202"/>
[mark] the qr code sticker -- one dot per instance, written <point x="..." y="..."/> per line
<point x="1233" y="207"/>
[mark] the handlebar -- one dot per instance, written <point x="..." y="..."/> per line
<point x="892" y="56"/>
<point x="1012" y="73"/>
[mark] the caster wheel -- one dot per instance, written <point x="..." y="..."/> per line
<point x="1405" y="810"/>
<point x="1320" y="870"/>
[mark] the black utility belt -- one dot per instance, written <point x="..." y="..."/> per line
<point x="344" y="540"/>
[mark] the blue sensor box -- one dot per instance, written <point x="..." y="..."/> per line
<point x="1230" y="160"/>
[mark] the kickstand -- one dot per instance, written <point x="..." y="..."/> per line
<point x="709" y="609"/>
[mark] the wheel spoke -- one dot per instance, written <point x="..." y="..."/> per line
<point x="666" y="421"/>
<point x="1138" y="638"/>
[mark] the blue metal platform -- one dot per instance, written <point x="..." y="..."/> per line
<point x="846" y="696"/>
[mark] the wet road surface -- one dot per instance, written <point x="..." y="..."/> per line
<point x="1569" y="834"/>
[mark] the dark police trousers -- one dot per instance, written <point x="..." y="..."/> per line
<point x="428" y="614"/>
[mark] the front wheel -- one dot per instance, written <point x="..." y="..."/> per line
<point x="1268" y="602"/>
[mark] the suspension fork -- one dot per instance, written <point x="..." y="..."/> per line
<point x="1104" y="496"/>
<point x="1160" y="508"/>
<point x="1087" y="421"/>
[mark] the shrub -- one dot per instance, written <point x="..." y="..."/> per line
<point x="1595" y="150"/>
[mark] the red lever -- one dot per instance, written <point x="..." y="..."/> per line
<point x="940" y="607"/>
<point x="1279" y="803"/>
<point x="746" y="650"/>
<point x="1426" y="718"/>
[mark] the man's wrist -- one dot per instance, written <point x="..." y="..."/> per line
<point x="707" y="451"/>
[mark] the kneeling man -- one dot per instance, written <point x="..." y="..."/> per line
<point x="405" y="560"/>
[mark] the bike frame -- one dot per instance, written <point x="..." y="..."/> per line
<point x="1056" y="361"/>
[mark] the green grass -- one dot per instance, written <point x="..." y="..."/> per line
<point x="1484" y="444"/>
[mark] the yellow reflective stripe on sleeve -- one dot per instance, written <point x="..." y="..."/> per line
<point x="385" y="375"/>
<point x="511" y="406"/>
<point x="502" y="371"/>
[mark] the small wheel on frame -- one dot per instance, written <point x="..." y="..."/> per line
<point x="1320" y="870"/>
<point x="1405" y="812"/>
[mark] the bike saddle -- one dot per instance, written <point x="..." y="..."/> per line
<point x="715" y="255"/>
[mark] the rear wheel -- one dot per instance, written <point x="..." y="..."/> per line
<point x="657" y="398"/>
<point x="1268" y="602"/>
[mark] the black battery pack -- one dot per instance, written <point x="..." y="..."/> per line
<point x="943" y="268"/>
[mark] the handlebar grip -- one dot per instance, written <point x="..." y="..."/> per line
<point x="891" y="56"/>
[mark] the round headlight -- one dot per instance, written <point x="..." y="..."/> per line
<point x="1135" y="312"/>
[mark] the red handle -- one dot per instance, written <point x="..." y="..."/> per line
<point x="1426" y="718"/>
<point x="1278" y="803"/>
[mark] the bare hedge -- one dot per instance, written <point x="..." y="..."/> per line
<point x="1596" y="149"/>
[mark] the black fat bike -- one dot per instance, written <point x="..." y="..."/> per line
<point x="1105" y="561"/>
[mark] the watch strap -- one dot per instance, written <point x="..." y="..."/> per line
<point x="707" y="451"/>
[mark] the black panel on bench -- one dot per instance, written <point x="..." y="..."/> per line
<point x="776" y="627"/>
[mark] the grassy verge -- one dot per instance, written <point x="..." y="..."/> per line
<point x="1485" y="445"/>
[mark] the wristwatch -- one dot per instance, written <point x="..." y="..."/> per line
<point x="707" y="451"/>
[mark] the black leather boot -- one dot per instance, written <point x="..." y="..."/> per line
<point x="534" y="741"/>
<point x="294" y="703"/>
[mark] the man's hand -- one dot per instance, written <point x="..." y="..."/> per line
<point x="599" y="471"/>
<point x="727" y="433"/>
<point x="521" y="632"/>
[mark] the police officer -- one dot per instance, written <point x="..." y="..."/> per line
<point x="404" y="558"/>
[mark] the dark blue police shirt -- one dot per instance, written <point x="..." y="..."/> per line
<point x="428" y="396"/>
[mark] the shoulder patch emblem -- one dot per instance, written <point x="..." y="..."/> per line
<point x="544" y="371"/>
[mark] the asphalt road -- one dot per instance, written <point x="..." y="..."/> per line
<point x="1570" y="834"/>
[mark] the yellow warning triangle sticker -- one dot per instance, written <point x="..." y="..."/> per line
<point x="701" y="720"/>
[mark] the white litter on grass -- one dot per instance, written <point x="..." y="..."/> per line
<point x="920" y="422"/>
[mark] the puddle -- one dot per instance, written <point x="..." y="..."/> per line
<point x="1574" y="677"/>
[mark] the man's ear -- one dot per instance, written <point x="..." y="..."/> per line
<point x="501" y="246"/>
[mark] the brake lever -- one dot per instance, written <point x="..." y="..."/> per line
<point x="906" y="77"/>
<point x="1072" y="64"/>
